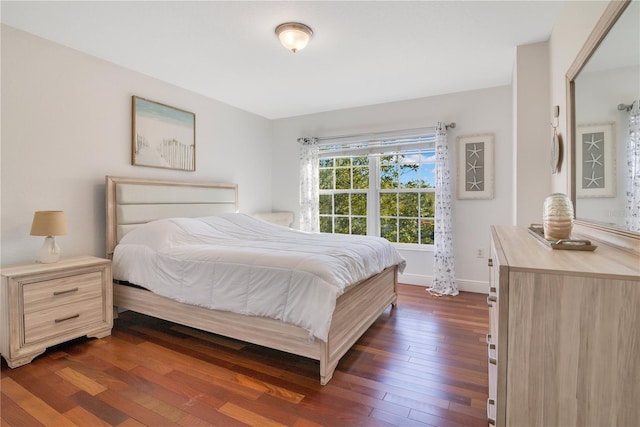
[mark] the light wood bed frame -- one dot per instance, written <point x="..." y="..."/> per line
<point x="133" y="201"/>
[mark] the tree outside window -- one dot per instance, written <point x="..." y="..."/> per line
<point x="402" y="183"/>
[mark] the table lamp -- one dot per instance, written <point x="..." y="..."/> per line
<point x="49" y="224"/>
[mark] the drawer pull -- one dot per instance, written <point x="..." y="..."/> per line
<point x="490" y="262"/>
<point x="75" y="316"/>
<point x="492" y="298"/>
<point x="492" y="354"/>
<point x="491" y="404"/>
<point x="488" y="338"/>
<point x="68" y="291"/>
<point x="493" y="290"/>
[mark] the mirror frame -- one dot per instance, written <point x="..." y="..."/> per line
<point x="616" y="236"/>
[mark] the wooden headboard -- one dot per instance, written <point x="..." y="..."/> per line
<point x="134" y="201"/>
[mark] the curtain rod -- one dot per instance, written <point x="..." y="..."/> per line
<point x="373" y="135"/>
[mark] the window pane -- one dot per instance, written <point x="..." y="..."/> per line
<point x="388" y="204"/>
<point x="359" y="204"/>
<point x="326" y="179"/>
<point x="408" y="231"/>
<point x="359" y="226"/>
<point x="343" y="179"/>
<point x="360" y="161"/>
<point x="342" y="224"/>
<point x="428" y="205"/>
<point x="343" y="161"/>
<point x="341" y="204"/>
<point x="428" y="175"/>
<point x="409" y="171"/>
<point x="326" y="224"/>
<point x="326" y="204"/>
<point x="326" y="163"/>
<point x="388" y="176"/>
<point x="426" y="232"/>
<point x="408" y="204"/>
<point x="361" y="178"/>
<point x="388" y="229"/>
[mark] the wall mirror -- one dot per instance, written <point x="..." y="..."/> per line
<point x="603" y="87"/>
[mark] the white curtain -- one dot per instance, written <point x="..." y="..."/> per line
<point x="444" y="281"/>
<point x="309" y="185"/>
<point x="632" y="212"/>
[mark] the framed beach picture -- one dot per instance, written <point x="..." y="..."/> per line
<point x="475" y="166"/>
<point x="162" y="136"/>
<point x="595" y="160"/>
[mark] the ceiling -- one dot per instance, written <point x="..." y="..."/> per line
<point x="361" y="52"/>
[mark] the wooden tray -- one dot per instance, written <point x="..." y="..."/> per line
<point x="537" y="230"/>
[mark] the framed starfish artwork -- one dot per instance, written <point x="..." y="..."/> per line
<point x="595" y="160"/>
<point x="475" y="166"/>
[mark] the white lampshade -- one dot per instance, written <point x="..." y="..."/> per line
<point x="293" y="35"/>
<point x="49" y="224"/>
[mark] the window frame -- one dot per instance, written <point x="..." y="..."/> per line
<point x="374" y="191"/>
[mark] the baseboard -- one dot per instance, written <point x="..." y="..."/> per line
<point x="463" y="285"/>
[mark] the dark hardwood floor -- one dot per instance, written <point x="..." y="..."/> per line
<point x="422" y="364"/>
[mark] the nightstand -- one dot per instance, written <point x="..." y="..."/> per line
<point x="46" y="304"/>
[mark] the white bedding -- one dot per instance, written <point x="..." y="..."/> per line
<point x="237" y="263"/>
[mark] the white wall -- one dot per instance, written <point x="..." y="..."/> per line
<point x="66" y="123"/>
<point x="575" y="23"/>
<point x="532" y="133"/>
<point x="481" y="111"/>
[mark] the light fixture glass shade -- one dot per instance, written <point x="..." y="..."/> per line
<point x="293" y="35"/>
<point x="49" y="224"/>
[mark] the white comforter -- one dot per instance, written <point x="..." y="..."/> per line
<point x="241" y="264"/>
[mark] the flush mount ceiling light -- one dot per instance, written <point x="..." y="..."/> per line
<point x="293" y="35"/>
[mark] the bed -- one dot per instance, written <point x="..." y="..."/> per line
<point x="133" y="204"/>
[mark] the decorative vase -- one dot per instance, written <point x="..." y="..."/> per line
<point x="557" y="217"/>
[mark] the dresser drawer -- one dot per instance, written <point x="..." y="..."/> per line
<point x="57" y="320"/>
<point x="64" y="290"/>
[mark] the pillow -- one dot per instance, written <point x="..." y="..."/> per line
<point x="157" y="235"/>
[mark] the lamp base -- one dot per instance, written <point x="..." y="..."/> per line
<point x="49" y="252"/>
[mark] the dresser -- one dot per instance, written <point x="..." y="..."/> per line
<point x="46" y="304"/>
<point x="564" y="334"/>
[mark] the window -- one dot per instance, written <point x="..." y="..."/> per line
<point x="388" y="194"/>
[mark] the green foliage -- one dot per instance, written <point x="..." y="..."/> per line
<point x="428" y="205"/>
<point x="389" y="229"/>
<point x="326" y="204"/>
<point x="326" y="179"/>
<point x="405" y="216"/>
<point x="408" y="204"/>
<point x="359" y="226"/>
<point x="408" y="230"/>
<point x="426" y="232"/>
<point x="388" y="204"/>
<point x="361" y="177"/>
<point x="326" y="224"/>
<point x="341" y="204"/>
<point x="359" y="204"/>
<point x="341" y="224"/>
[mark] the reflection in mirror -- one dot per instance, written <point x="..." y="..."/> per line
<point x="607" y="99"/>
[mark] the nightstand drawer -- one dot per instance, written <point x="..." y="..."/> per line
<point x="64" y="290"/>
<point x="43" y="324"/>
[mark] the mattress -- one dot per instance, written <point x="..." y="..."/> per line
<point x="237" y="263"/>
